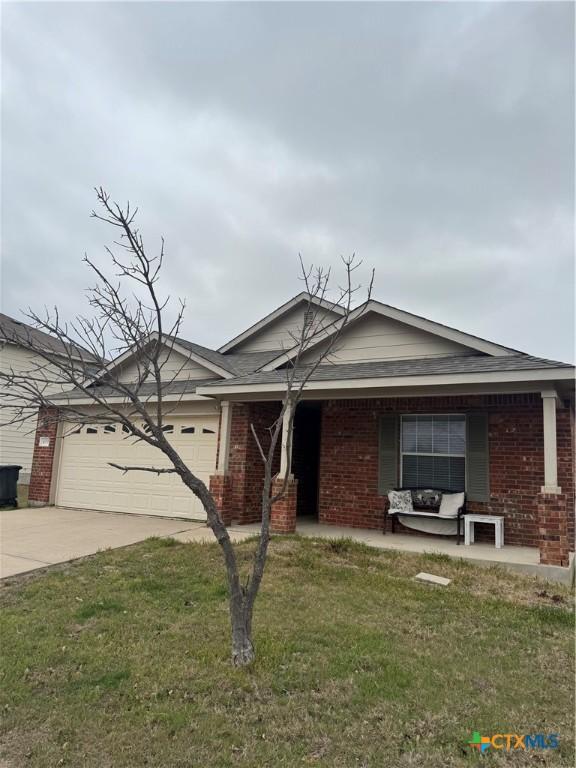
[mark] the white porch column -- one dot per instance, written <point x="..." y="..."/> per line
<point x="224" y="446"/>
<point x="549" y="398"/>
<point x="286" y="445"/>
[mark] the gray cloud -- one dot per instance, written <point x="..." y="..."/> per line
<point x="434" y="139"/>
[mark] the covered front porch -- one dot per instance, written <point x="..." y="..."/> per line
<point x="514" y="459"/>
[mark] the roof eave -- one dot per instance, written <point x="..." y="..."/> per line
<point x="62" y="401"/>
<point x="389" y="382"/>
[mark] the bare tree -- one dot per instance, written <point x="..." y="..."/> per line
<point x="128" y="316"/>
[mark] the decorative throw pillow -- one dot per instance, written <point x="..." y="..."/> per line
<point x="428" y="499"/>
<point x="450" y="504"/>
<point x="400" y="501"/>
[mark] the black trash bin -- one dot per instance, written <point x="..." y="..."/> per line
<point x="9" y="484"/>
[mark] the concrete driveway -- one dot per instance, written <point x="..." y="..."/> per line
<point x="36" y="537"/>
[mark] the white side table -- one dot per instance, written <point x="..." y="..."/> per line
<point x="497" y="522"/>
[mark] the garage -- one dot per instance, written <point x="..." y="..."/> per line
<point x="86" y="481"/>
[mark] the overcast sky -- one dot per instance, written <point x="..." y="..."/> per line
<point x="436" y="140"/>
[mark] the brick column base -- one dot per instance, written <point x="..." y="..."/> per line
<point x="553" y="529"/>
<point x="221" y="489"/>
<point x="283" y="516"/>
<point x="43" y="458"/>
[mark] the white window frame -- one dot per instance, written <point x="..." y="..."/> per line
<point x="413" y="453"/>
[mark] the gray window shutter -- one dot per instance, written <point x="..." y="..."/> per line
<point x="477" y="457"/>
<point x="388" y="449"/>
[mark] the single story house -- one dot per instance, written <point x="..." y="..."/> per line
<point x="402" y="401"/>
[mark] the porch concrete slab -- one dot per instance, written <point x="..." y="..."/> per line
<point x="35" y="537"/>
<point x="424" y="544"/>
<point x="525" y="560"/>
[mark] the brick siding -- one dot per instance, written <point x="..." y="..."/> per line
<point x="43" y="458"/>
<point x="245" y="466"/>
<point x="283" y="514"/>
<point x="553" y="529"/>
<point x="349" y="460"/>
<point x="221" y="489"/>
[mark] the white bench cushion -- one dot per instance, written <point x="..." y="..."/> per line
<point x="450" y="504"/>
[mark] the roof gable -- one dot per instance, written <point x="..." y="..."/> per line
<point x="377" y="331"/>
<point x="182" y="360"/>
<point x="174" y="367"/>
<point x="275" y="331"/>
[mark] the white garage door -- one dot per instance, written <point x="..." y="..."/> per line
<point x="87" y="481"/>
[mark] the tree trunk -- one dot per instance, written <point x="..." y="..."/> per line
<point x="242" y="648"/>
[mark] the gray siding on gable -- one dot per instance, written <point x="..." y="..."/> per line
<point x="379" y="338"/>
<point x="279" y="335"/>
<point x="174" y="366"/>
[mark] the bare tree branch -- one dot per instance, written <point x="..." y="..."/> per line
<point x="258" y="443"/>
<point x="155" y="470"/>
<point x="72" y="380"/>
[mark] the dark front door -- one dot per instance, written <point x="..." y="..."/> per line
<point x="306" y="457"/>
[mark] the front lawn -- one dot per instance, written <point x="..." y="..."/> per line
<point x="122" y="661"/>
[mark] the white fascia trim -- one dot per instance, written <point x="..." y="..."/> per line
<point x="537" y="375"/>
<point x="175" y="345"/>
<point x="473" y="342"/>
<point x="303" y="296"/>
<point x="124" y="400"/>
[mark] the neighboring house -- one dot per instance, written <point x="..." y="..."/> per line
<point x="403" y="401"/>
<point x="17" y="439"/>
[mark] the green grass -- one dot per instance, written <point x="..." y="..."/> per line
<point x="122" y="661"/>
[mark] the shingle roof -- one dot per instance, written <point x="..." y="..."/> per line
<point x="393" y="368"/>
<point x="208" y="354"/>
<point x="248" y="362"/>
<point x="239" y="363"/>
<point x="15" y="332"/>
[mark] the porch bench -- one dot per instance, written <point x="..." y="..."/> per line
<point x="458" y="516"/>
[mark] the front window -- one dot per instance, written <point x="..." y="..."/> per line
<point x="433" y="452"/>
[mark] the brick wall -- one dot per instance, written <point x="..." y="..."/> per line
<point x="283" y="514"/>
<point x="245" y="466"/>
<point x="221" y="489"/>
<point x="555" y="545"/>
<point x="349" y="460"/>
<point x="43" y="458"/>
